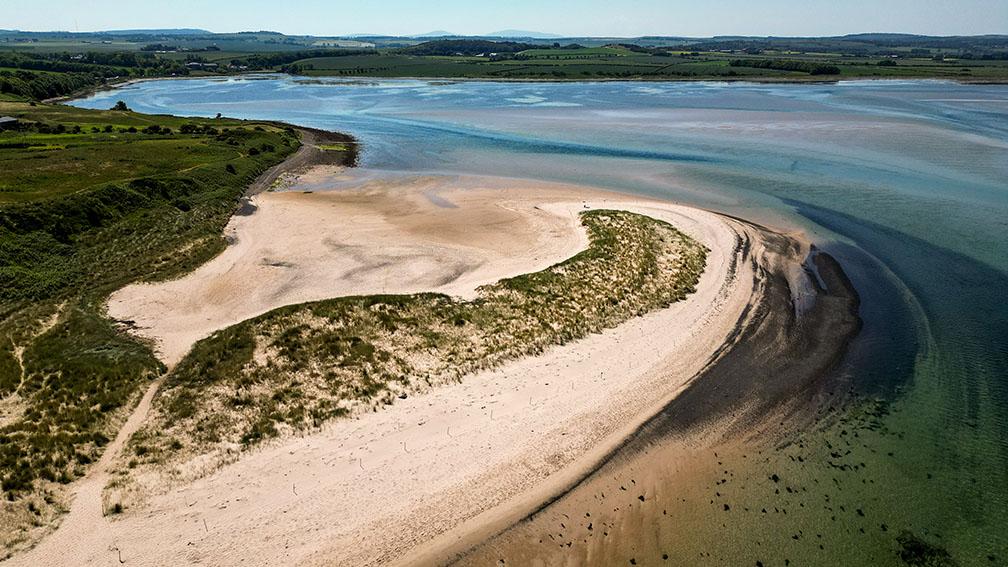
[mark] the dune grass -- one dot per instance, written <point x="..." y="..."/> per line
<point x="82" y="213"/>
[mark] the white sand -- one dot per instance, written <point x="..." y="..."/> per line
<point x="452" y="463"/>
<point x="400" y="236"/>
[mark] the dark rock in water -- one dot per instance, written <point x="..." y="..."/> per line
<point x="919" y="553"/>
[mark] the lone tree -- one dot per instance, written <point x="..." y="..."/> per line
<point x="121" y="106"/>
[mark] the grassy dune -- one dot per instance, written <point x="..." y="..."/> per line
<point x="298" y="366"/>
<point x="83" y="213"/>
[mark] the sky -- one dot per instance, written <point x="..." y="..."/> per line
<point x="624" y="18"/>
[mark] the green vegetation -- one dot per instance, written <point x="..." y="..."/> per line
<point x="298" y="366"/>
<point x="810" y="67"/>
<point x="46" y="75"/>
<point x="91" y="201"/>
<point x="43" y="65"/>
<point x="333" y="147"/>
<point x="628" y="61"/>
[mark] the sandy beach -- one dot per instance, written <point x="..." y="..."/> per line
<point x="423" y="473"/>
<point x="380" y="236"/>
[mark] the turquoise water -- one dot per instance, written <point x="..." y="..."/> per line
<point x="905" y="182"/>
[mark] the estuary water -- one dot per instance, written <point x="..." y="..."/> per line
<point x="906" y="183"/>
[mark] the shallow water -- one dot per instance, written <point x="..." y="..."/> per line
<point x="905" y="182"/>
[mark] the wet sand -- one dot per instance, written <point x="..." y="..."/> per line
<point x="670" y="493"/>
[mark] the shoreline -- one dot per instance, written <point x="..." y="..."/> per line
<point x="599" y="452"/>
<point x="728" y="80"/>
<point x="312" y="463"/>
<point x="686" y="430"/>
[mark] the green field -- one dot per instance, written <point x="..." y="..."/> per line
<point x="89" y="61"/>
<point x="35" y="166"/>
<point x="82" y="214"/>
<point x="605" y="63"/>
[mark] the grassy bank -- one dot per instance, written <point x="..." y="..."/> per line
<point x="296" y="367"/>
<point x="617" y="62"/>
<point x="91" y="201"/>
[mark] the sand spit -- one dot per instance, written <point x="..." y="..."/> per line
<point x="374" y="488"/>
<point x="672" y="490"/>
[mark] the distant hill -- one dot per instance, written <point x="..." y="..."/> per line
<point x="524" y="34"/>
<point x="173" y="31"/>
<point x="436" y="33"/>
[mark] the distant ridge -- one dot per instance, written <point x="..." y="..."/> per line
<point x="436" y="33"/>
<point x="524" y="34"/>
<point x="171" y="31"/>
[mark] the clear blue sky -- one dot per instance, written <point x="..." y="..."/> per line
<point x="566" y="17"/>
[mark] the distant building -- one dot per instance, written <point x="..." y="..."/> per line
<point x="7" y="122"/>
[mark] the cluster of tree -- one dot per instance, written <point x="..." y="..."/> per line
<point x="39" y="86"/>
<point x="659" y="51"/>
<point x="198" y="129"/>
<point x="810" y="67"/>
<point x="859" y="45"/>
<point x="47" y="75"/>
<point x="986" y="56"/>
<point x="45" y="128"/>
<point x="444" y="47"/>
<point x="166" y="47"/>
<point x="156" y="130"/>
<point x="159" y="47"/>
<point x="107" y="63"/>
<point x="929" y="42"/>
<point x="296" y="68"/>
<point x="272" y="60"/>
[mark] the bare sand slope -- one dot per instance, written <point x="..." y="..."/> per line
<point x="382" y="236"/>
<point x="401" y="483"/>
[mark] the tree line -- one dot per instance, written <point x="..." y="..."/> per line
<point x="39" y="76"/>
<point x="810" y="67"/>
